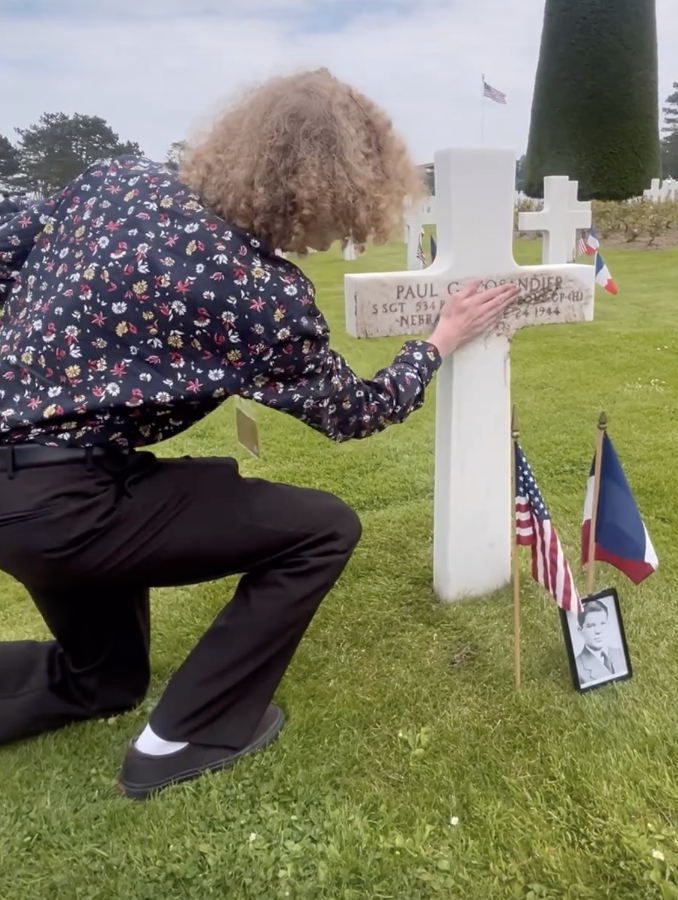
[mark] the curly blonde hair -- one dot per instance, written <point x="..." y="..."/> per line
<point x="304" y="158"/>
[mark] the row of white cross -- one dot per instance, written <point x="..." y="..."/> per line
<point x="559" y="219"/>
<point x="660" y="191"/>
<point x="473" y="212"/>
<point x="562" y="214"/>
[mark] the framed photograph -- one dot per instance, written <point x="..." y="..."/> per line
<point x="596" y="642"/>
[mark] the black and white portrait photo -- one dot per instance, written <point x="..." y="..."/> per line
<point x="596" y="643"/>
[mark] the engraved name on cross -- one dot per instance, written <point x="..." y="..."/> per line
<point x="472" y="493"/>
<point x="559" y="219"/>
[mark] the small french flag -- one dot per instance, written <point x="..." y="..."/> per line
<point x="622" y="540"/>
<point x="590" y="244"/>
<point x="603" y="277"/>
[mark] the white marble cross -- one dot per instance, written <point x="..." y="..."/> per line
<point x="562" y="215"/>
<point x="415" y="219"/>
<point x="348" y="250"/>
<point x="659" y="191"/>
<point x="654" y="192"/>
<point x="472" y="495"/>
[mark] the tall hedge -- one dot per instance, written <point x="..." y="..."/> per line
<point x="595" y="110"/>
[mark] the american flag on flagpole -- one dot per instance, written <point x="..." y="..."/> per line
<point x="493" y="94"/>
<point x="421" y="256"/>
<point x="534" y="529"/>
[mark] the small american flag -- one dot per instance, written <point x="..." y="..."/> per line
<point x="493" y="94"/>
<point x="421" y="256"/>
<point x="534" y="529"/>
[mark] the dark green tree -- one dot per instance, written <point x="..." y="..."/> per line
<point x="670" y="131"/>
<point x="175" y="154"/>
<point x="670" y="111"/>
<point x="595" y="110"/>
<point x="60" y="147"/>
<point x="670" y="156"/>
<point x="9" y="162"/>
<point x="520" y="173"/>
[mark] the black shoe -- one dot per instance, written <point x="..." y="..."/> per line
<point x="143" y="774"/>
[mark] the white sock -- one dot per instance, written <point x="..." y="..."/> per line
<point x="149" y="742"/>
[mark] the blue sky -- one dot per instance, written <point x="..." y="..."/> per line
<point x="157" y="69"/>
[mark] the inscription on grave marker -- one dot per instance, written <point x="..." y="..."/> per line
<point x="399" y="308"/>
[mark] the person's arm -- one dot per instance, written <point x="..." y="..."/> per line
<point x="314" y="384"/>
<point x="17" y="238"/>
<point x="303" y="377"/>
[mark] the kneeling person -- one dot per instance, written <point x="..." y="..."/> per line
<point x="145" y="298"/>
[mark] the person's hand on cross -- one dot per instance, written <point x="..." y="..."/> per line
<point x="469" y="313"/>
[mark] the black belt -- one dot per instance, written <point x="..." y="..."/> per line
<point x="33" y="456"/>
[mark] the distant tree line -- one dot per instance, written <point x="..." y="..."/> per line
<point x="48" y="155"/>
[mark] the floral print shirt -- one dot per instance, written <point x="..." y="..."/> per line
<point x="130" y="312"/>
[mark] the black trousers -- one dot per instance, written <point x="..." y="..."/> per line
<point x="89" y="541"/>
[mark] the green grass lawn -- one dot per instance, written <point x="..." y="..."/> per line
<point x="402" y="712"/>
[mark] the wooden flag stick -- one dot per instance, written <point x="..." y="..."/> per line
<point x="515" y="562"/>
<point x="591" y="556"/>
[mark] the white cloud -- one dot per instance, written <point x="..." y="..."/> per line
<point x="154" y="68"/>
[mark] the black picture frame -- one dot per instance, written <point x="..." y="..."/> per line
<point x="584" y="661"/>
